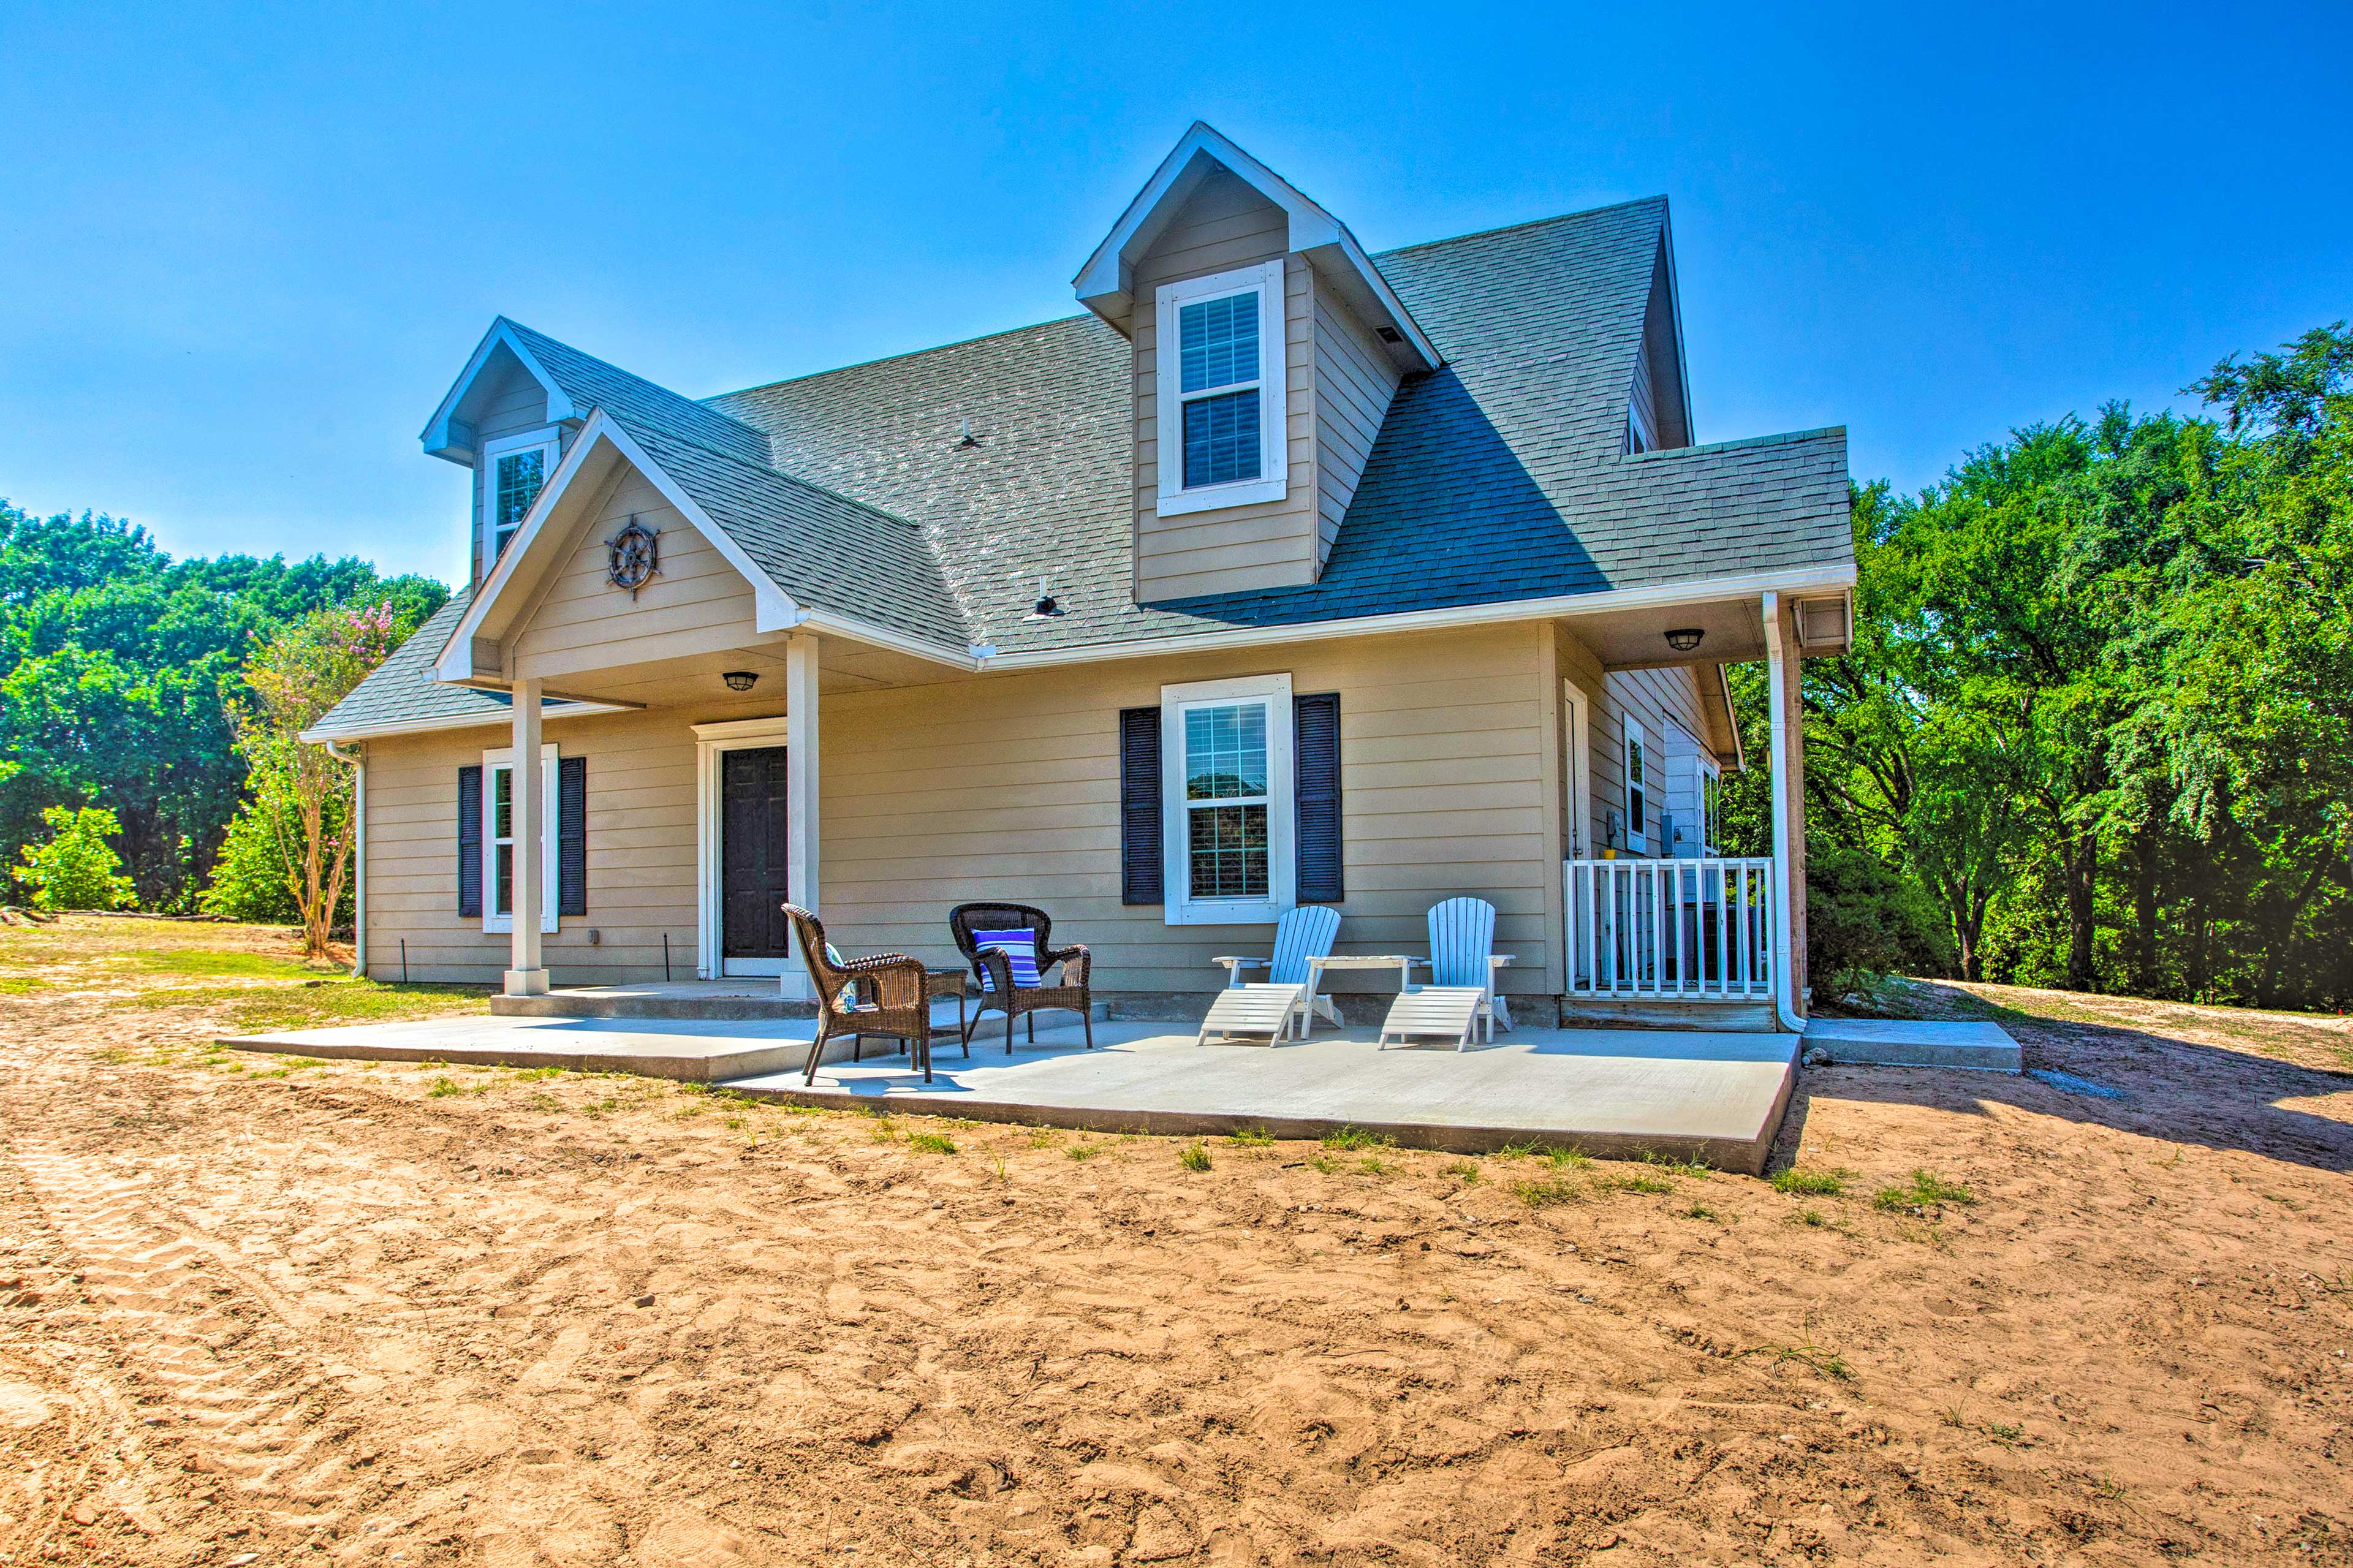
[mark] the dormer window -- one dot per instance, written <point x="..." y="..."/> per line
<point x="514" y="469"/>
<point x="1221" y="387"/>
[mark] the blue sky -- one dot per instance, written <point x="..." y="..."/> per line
<point x="245" y="254"/>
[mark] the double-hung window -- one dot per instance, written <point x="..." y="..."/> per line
<point x="1637" y="790"/>
<point x="1219" y="381"/>
<point x="499" y="846"/>
<point x="1228" y="808"/>
<point x="514" y="470"/>
<point x="1711" y="806"/>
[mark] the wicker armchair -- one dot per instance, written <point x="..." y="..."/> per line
<point x="995" y="972"/>
<point x="891" y="995"/>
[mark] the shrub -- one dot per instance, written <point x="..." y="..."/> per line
<point x="250" y="879"/>
<point x="77" y="868"/>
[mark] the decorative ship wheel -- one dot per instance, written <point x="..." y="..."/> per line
<point x="633" y="556"/>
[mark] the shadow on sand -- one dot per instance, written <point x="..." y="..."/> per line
<point x="2174" y="1089"/>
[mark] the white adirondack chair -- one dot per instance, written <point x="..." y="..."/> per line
<point x="1463" y="963"/>
<point x="1305" y="932"/>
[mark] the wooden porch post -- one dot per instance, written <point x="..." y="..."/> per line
<point x="525" y="976"/>
<point x="801" y="667"/>
<point x="1784" y="708"/>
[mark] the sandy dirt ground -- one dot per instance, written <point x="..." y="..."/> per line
<point x="259" y="1312"/>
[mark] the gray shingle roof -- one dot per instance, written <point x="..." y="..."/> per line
<point x="827" y="552"/>
<point x="1497" y="477"/>
<point x="590" y="383"/>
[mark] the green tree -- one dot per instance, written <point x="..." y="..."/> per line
<point x="117" y="667"/>
<point x="75" y="867"/>
<point x="301" y="797"/>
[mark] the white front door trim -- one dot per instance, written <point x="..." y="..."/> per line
<point x="711" y="740"/>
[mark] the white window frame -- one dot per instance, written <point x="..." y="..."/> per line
<point x="1282" y="802"/>
<point x="1274" y="479"/>
<point x="493" y="762"/>
<point x="551" y="447"/>
<point x="1708" y="784"/>
<point x="1633" y="741"/>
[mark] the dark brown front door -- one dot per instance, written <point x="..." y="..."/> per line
<point x="753" y="830"/>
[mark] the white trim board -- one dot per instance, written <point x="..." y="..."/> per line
<point x="709" y="742"/>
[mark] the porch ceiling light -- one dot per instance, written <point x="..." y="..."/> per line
<point x="741" y="680"/>
<point x="1682" y="639"/>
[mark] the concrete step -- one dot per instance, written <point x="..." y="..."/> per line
<point x="1896" y="1043"/>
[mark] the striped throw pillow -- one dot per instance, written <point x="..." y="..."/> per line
<point x="1020" y="950"/>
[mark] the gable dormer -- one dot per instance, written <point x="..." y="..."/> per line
<point x="506" y="418"/>
<point x="1266" y="347"/>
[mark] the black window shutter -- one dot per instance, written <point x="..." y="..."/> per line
<point x="1316" y="784"/>
<point x="572" y="836"/>
<point x="469" y="842"/>
<point x="1139" y="805"/>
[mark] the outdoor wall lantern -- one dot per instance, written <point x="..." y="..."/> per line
<point x="1684" y="638"/>
<point x="741" y="680"/>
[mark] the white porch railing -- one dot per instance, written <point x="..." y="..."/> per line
<point x="1693" y="930"/>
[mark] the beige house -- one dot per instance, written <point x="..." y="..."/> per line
<point x="1282" y="574"/>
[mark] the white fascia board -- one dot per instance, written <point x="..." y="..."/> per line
<point x="1796" y="581"/>
<point x="1105" y="285"/>
<point x="549" y="713"/>
<point x="445" y="438"/>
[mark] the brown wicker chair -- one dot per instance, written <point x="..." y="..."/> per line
<point x="893" y="997"/>
<point x="999" y="992"/>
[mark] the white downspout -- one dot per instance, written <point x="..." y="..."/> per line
<point x="1777" y="686"/>
<point x="358" y="765"/>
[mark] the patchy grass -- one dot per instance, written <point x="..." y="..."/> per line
<point x="1252" y="1137"/>
<point x="1641" y="1181"/>
<point x="1812" y="1218"/>
<point x="930" y="1143"/>
<point x="1547" y="1193"/>
<point x="1348" y="1140"/>
<point x="1923" y="1189"/>
<point x="1465" y="1171"/>
<point x="1798" y="1181"/>
<point x="1082" y="1150"/>
<point x="1194" y="1157"/>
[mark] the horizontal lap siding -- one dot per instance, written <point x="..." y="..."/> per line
<point x="1353" y="384"/>
<point x="640" y="843"/>
<point x="1657" y="700"/>
<point x="1225" y="225"/>
<point x="1006" y="787"/>
<point x="696" y="603"/>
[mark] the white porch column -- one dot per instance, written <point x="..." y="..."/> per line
<point x="1788" y="780"/>
<point x="801" y="794"/>
<point x="525" y="976"/>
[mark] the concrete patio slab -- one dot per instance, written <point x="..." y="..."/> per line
<point x="690" y="1051"/>
<point x="1713" y="1097"/>
<point x="1903" y="1043"/>
<point x="1716" y="1096"/>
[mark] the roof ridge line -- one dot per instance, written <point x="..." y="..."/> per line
<point x="1524" y="222"/>
<point x="623" y="370"/>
